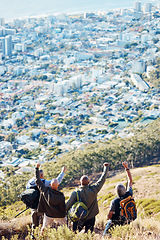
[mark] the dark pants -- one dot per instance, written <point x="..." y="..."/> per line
<point x="88" y="224"/>
<point x="37" y="218"/>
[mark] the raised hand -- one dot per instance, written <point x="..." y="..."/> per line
<point x="125" y="164"/>
<point x="38" y="165"/>
<point x="106" y="164"/>
<point x="64" y="169"/>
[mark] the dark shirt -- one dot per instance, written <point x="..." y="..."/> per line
<point x="115" y="204"/>
<point x="51" y="202"/>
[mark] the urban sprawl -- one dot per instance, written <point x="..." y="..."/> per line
<point x="70" y="80"/>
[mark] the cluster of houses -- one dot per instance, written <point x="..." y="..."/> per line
<point x="75" y="80"/>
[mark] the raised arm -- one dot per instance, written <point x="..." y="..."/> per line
<point x="129" y="176"/>
<point x="39" y="183"/>
<point x="61" y="175"/>
<point x="59" y="178"/>
<point x="98" y="185"/>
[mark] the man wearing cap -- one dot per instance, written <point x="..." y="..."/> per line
<point x="36" y="217"/>
<point x="51" y="202"/>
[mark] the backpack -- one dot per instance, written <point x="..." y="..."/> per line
<point x="78" y="211"/>
<point x="128" y="210"/>
<point x="30" y="197"/>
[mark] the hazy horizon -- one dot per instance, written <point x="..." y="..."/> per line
<point x="12" y="9"/>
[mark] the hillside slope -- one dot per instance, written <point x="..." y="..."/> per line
<point x="146" y="193"/>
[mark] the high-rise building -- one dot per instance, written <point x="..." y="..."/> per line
<point x="2" y="45"/>
<point x="24" y="47"/>
<point x="138" y="66"/>
<point x="148" y="7"/>
<point x="137" y="6"/>
<point x="8" y="45"/>
<point x="2" y="22"/>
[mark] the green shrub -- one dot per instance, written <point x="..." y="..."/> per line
<point x="136" y="178"/>
<point x="62" y="233"/>
<point x="106" y="199"/>
<point x="149" y="206"/>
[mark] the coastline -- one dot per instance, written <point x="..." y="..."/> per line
<point x="10" y="14"/>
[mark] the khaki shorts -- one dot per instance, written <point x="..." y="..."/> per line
<point x="47" y="221"/>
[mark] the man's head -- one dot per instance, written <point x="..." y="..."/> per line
<point x="54" y="184"/>
<point x="41" y="175"/>
<point x="84" y="180"/>
<point x="120" y="190"/>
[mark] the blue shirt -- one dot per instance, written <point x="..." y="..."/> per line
<point x="32" y="182"/>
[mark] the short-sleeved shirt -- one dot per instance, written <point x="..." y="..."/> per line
<point x="115" y="204"/>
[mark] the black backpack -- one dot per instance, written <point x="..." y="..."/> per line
<point x="30" y="197"/>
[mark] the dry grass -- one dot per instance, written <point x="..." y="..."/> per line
<point x="16" y="226"/>
<point x="146" y="226"/>
<point x="145" y="187"/>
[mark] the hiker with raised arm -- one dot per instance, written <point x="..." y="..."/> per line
<point x="51" y="202"/>
<point x="37" y="217"/>
<point x="88" y="196"/>
<point x="122" y="208"/>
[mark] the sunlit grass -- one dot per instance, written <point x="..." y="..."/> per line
<point x="146" y="226"/>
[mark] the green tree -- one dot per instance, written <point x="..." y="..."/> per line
<point x="1" y="138"/>
<point x="34" y="123"/>
<point x="58" y="143"/>
<point x="19" y="122"/>
<point x="11" y="137"/>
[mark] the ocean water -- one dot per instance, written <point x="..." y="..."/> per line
<point x="12" y="9"/>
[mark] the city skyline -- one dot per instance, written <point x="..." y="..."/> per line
<point x="11" y="10"/>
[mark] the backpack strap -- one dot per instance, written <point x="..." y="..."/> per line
<point x="43" y="180"/>
<point x="78" y="196"/>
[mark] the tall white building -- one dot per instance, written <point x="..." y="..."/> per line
<point x="24" y="47"/>
<point x="2" y="22"/>
<point x="137" y="6"/>
<point x="2" y="45"/>
<point x="138" y="66"/>
<point x="8" y="45"/>
<point x="148" y="7"/>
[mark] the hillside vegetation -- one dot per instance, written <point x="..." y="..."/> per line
<point x="143" y="149"/>
<point x="147" y="196"/>
<point x="140" y="150"/>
